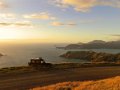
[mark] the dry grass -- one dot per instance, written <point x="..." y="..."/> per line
<point x="20" y="69"/>
<point x="106" y="84"/>
<point x="55" y="67"/>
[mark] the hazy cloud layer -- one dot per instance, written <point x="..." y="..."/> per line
<point x="21" y="24"/>
<point x="86" y="5"/>
<point x="56" y="23"/>
<point x="115" y="36"/>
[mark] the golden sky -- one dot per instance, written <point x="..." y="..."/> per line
<point x="59" y="20"/>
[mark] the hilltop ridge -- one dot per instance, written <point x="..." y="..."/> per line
<point x="95" y="44"/>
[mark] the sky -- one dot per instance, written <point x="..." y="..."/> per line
<point x="60" y="21"/>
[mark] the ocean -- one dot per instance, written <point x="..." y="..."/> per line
<point x="20" y="54"/>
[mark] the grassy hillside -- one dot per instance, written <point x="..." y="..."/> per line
<point x="106" y="84"/>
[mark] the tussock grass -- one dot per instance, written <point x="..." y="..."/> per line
<point x="106" y="84"/>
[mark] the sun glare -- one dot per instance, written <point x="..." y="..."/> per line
<point x="9" y="34"/>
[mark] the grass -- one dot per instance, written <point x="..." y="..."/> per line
<point x="16" y="69"/>
<point x="22" y="69"/>
<point x="83" y="65"/>
<point x="106" y="84"/>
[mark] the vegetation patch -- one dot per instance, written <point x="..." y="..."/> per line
<point x="106" y="84"/>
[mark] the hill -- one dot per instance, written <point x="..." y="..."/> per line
<point x="106" y="84"/>
<point x="96" y="44"/>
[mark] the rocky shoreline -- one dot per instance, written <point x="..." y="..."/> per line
<point x="92" y="56"/>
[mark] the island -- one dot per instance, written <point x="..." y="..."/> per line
<point x="92" y="56"/>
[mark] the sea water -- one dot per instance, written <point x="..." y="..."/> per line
<point x="20" y="54"/>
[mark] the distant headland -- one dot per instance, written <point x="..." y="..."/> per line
<point x="96" y="44"/>
<point x="1" y="55"/>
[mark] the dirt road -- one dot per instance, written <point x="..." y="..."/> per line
<point x="25" y="81"/>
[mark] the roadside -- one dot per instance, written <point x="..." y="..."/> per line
<point x="33" y="79"/>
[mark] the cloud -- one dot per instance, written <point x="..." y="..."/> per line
<point x="56" y="23"/>
<point x="71" y="24"/>
<point x="43" y="16"/>
<point x="114" y="36"/>
<point x="17" y="24"/>
<point x="112" y="3"/>
<point x="11" y="19"/>
<point x="86" y="5"/>
<point x="7" y="16"/>
<point x="2" y="5"/>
